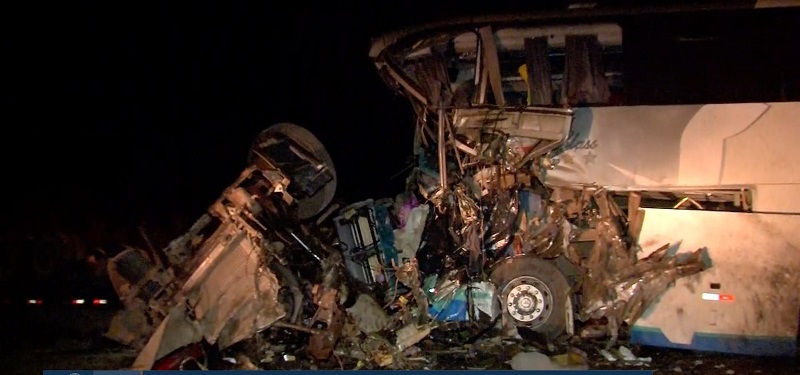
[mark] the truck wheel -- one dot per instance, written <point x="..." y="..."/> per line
<point x="532" y="294"/>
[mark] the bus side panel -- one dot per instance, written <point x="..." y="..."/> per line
<point x="713" y="145"/>
<point x="748" y="302"/>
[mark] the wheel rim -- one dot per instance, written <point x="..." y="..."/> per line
<point x="528" y="301"/>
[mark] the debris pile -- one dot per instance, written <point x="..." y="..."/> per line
<point x="478" y="246"/>
<point x="482" y="255"/>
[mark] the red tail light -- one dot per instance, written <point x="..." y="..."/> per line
<point x="99" y="302"/>
<point x="78" y="301"/>
<point x="35" y="302"/>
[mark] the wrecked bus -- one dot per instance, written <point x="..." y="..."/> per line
<point x="547" y="203"/>
<point x="590" y="106"/>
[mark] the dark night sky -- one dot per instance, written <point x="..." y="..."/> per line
<point x="123" y="113"/>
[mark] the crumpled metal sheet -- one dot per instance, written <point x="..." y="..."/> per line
<point x="543" y="235"/>
<point x="174" y="332"/>
<point x="469" y="222"/>
<point x="617" y="286"/>
<point x="229" y="297"/>
<point x="543" y="228"/>
<point x="651" y="277"/>
<point x="502" y="222"/>
<point x="409" y="275"/>
<point x="468" y="209"/>
<point x="321" y="345"/>
<point x="234" y="296"/>
<point x="610" y="255"/>
<point x="493" y="147"/>
<point x="517" y="150"/>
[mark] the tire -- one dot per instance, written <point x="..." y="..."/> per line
<point x="532" y="294"/>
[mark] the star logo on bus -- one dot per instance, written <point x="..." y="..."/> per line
<point x="589" y="158"/>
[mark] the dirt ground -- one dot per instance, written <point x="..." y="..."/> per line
<point x="71" y="340"/>
<point x="36" y="339"/>
<point x="67" y="354"/>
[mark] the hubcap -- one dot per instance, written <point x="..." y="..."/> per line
<point x="528" y="300"/>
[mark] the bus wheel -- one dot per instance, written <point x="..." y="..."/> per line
<point x="532" y="294"/>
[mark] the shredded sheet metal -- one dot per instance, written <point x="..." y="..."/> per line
<point x="467" y="207"/>
<point x="230" y="298"/>
<point x="174" y="332"/>
<point x="517" y="150"/>
<point x="469" y="234"/>
<point x="502" y="221"/>
<point x="618" y="287"/>
<point x="542" y="235"/>
<point x="514" y="221"/>
<point x="236" y="296"/>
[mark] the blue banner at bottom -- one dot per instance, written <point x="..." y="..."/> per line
<point x="352" y="372"/>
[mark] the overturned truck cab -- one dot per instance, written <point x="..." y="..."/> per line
<point x="229" y="277"/>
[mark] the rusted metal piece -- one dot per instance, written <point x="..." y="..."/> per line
<point x="298" y="327"/>
<point x="408" y="274"/>
<point x="320" y="346"/>
<point x="326" y="303"/>
<point x="328" y="314"/>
